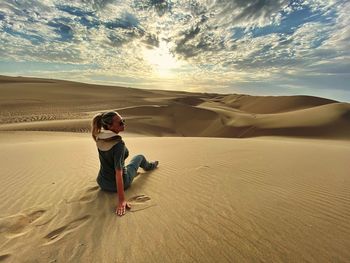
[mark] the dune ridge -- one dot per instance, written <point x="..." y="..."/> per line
<point x="273" y="104"/>
<point x="53" y="105"/>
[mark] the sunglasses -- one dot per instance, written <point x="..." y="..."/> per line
<point x="122" y="122"/>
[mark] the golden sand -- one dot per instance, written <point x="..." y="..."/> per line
<point x="273" y="188"/>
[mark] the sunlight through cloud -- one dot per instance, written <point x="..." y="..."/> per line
<point x="161" y="60"/>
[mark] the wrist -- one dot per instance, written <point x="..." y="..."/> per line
<point x="121" y="198"/>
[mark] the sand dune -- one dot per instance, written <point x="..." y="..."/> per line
<point x="52" y="105"/>
<point x="211" y="200"/>
<point x="265" y="198"/>
<point x="327" y="121"/>
<point x="273" y="104"/>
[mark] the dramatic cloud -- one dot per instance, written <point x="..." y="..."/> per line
<point x="256" y="46"/>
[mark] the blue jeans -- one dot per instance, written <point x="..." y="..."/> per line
<point x="131" y="169"/>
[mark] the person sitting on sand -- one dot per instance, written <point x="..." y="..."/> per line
<point x="114" y="176"/>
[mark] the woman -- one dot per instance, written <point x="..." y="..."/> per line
<point x="114" y="176"/>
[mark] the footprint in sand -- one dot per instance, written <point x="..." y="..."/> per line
<point x="139" y="199"/>
<point x="18" y="225"/>
<point x="4" y="256"/>
<point x="202" y="167"/>
<point x="92" y="189"/>
<point x="140" y="202"/>
<point x="62" y="231"/>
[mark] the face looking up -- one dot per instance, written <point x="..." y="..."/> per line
<point x="118" y="124"/>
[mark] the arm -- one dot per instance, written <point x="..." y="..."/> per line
<point x="122" y="205"/>
<point x="120" y="184"/>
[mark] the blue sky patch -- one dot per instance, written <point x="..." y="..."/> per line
<point x="291" y="22"/>
<point x="127" y="21"/>
<point x="93" y="23"/>
<point x="34" y="39"/>
<point x="86" y="18"/>
<point x="75" y="11"/>
<point x="65" y="31"/>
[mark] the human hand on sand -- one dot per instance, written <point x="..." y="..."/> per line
<point x="122" y="208"/>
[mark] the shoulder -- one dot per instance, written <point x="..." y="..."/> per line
<point x="106" y="145"/>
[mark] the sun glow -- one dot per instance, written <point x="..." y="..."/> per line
<point x="162" y="61"/>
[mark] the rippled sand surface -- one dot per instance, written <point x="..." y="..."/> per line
<point x="211" y="200"/>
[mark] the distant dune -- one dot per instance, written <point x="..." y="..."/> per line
<point x="55" y="105"/>
<point x="273" y="104"/>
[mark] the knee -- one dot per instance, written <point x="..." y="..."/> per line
<point x="139" y="158"/>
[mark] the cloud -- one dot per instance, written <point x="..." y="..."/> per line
<point x="244" y="13"/>
<point x="217" y="42"/>
<point x="96" y="4"/>
<point x="160" y="6"/>
<point x="340" y="36"/>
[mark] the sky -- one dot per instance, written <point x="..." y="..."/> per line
<point x="255" y="47"/>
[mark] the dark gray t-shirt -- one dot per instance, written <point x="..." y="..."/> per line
<point x="111" y="160"/>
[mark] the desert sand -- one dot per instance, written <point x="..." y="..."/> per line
<point x="241" y="178"/>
